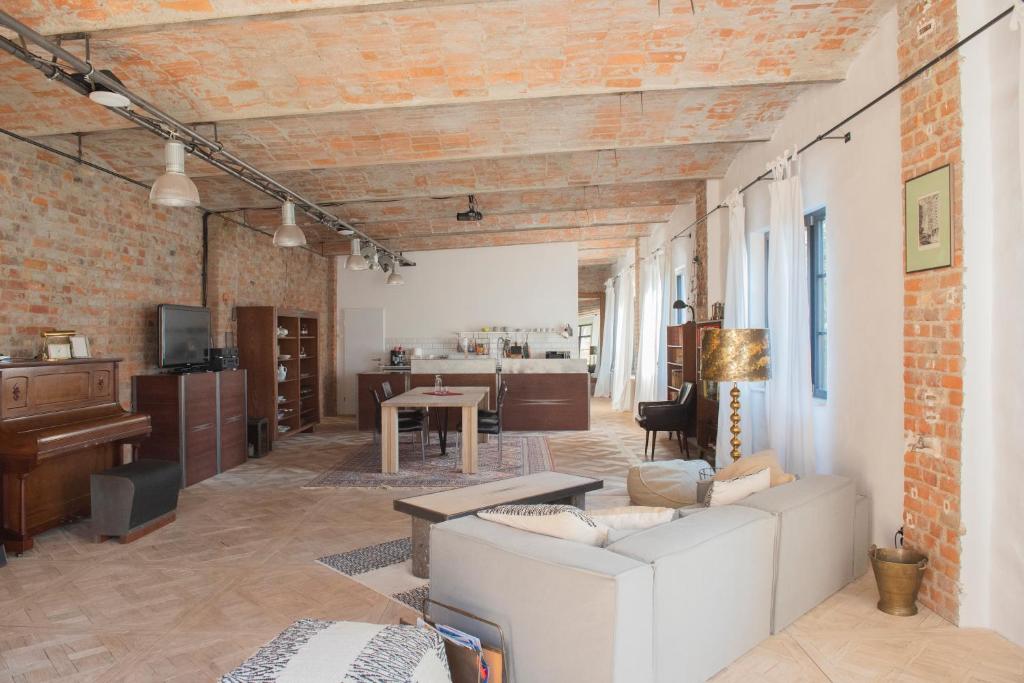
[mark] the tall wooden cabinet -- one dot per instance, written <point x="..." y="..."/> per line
<point x="684" y="366"/>
<point x="198" y="419"/>
<point x="269" y="339"/>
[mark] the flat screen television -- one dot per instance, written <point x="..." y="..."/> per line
<point x="184" y="335"/>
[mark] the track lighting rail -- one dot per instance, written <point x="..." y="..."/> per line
<point x="167" y="127"/>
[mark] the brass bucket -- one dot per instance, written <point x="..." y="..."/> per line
<point x="898" y="574"/>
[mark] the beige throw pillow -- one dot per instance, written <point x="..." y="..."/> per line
<point x="632" y="516"/>
<point x="733" y="490"/>
<point x="561" y="521"/>
<point x="753" y="463"/>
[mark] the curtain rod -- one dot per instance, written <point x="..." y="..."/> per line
<point x="827" y="135"/>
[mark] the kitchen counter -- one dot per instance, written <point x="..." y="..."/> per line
<point x="519" y="366"/>
<point x="544" y="393"/>
<point x="432" y="366"/>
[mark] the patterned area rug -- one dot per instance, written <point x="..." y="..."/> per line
<point x="362" y="467"/>
<point x="385" y="568"/>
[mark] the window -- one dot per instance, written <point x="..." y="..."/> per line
<point x="816" y="252"/>
<point x="586" y="335"/>
<point x="680" y="313"/>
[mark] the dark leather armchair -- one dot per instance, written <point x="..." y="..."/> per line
<point x="668" y="416"/>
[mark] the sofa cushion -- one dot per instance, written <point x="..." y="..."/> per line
<point x="712" y="588"/>
<point x="753" y="463"/>
<point x="728" y="491"/>
<point x="632" y="516"/>
<point x="669" y="483"/>
<point x="560" y="521"/>
<point x="313" y="650"/>
<point x="814" y="541"/>
<point x="569" y="612"/>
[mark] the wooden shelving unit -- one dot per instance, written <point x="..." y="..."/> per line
<point x="291" y="405"/>
<point x="682" y="357"/>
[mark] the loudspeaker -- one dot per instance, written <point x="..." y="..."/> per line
<point x="259" y="436"/>
<point x="223" y="358"/>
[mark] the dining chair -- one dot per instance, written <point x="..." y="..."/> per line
<point x="406" y="425"/>
<point x="489" y="421"/>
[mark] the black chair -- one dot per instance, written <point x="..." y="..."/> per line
<point x="489" y="421"/>
<point x="405" y="425"/>
<point x="405" y="413"/>
<point x="668" y="416"/>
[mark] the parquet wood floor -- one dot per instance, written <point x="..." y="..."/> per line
<point x="192" y="600"/>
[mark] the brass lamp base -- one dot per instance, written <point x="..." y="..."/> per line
<point x="735" y="419"/>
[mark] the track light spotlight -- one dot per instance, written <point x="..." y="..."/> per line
<point x="174" y="188"/>
<point x="289" y="234"/>
<point x="356" y="261"/>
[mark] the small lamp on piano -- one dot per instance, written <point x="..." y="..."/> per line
<point x="731" y="355"/>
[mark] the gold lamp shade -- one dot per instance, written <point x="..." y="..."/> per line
<point x="732" y="355"/>
<point x="735" y="356"/>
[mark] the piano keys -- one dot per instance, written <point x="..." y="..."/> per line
<point x="60" y="421"/>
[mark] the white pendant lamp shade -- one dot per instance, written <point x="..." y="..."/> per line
<point x="101" y="94"/>
<point x="394" y="278"/>
<point x="174" y="188"/>
<point x="356" y="260"/>
<point x="289" y="234"/>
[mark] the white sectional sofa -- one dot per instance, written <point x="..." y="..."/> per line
<point x="674" y="603"/>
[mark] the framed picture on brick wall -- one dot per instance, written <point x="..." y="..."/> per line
<point x="929" y="221"/>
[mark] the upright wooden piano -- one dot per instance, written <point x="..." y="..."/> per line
<point x="60" y="421"/>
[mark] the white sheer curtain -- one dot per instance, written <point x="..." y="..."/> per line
<point x="1017" y="24"/>
<point x="652" y="308"/>
<point x="622" y="365"/>
<point x="737" y="315"/>
<point x="667" y="297"/>
<point x="603" y="386"/>
<point x="790" y="426"/>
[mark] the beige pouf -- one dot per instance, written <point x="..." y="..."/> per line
<point x="669" y="483"/>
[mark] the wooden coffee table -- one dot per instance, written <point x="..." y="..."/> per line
<point x="542" y="487"/>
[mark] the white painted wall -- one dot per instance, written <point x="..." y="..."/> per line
<point x="460" y="290"/>
<point x="992" y="506"/>
<point x="859" y="429"/>
<point x="449" y="290"/>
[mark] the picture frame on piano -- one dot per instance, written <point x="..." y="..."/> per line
<point x="79" y="346"/>
<point x="58" y="350"/>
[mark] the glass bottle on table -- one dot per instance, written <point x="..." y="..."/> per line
<point x="438" y="385"/>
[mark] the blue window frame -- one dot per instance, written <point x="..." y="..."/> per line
<point x="680" y="313"/>
<point x="818" y="262"/>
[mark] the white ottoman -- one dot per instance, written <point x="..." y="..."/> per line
<point x="668" y="483"/>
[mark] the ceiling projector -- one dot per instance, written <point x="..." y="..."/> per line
<point x="472" y="214"/>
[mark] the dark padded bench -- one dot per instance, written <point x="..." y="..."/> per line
<point x="133" y="500"/>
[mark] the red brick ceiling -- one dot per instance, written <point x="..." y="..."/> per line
<point x="395" y="110"/>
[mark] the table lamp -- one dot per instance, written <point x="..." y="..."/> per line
<point x="730" y="355"/>
<point x="680" y="305"/>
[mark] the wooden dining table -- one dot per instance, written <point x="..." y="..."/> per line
<point x="466" y="398"/>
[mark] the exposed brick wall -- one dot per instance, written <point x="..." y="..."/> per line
<point x="246" y="269"/>
<point x="933" y="310"/>
<point x="700" y="251"/>
<point x="591" y="278"/>
<point x="84" y="251"/>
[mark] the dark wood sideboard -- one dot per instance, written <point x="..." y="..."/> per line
<point x="199" y="420"/>
<point x="60" y="421"/>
